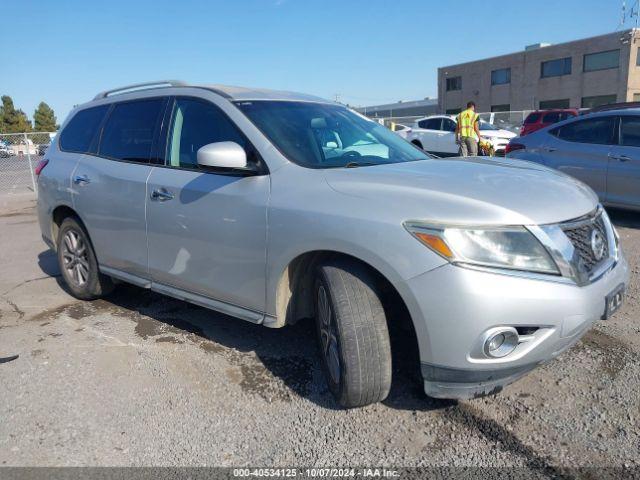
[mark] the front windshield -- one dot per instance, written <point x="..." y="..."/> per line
<point x="317" y="135"/>
<point x="487" y="126"/>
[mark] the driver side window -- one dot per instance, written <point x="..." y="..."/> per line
<point x="448" y="125"/>
<point x="194" y="124"/>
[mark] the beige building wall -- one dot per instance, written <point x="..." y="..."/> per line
<point x="527" y="89"/>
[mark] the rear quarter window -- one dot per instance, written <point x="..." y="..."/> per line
<point x="79" y="133"/>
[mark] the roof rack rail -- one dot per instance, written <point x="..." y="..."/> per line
<point x="614" y="106"/>
<point x="141" y="86"/>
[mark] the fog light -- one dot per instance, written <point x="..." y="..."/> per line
<point x="501" y="342"/>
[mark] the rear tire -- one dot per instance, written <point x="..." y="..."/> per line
<point x="352" y="333"/>
<point x="78" y="263"/>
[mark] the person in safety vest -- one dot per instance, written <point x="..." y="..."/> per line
<point x="468" y="131"/>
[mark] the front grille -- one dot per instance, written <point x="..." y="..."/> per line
<point x="580" y="234"/>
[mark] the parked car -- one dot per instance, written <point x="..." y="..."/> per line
<point x="5" y="151"/>
<point x="275" y="207"/>
<point x="543" y="118"/>
<point x="401" y="130"/>
<point x="42" y="149"/>
<point x="601" y="149"/>
<point x="436" y="134"/>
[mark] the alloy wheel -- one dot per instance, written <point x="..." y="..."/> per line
<point x="328" y="335"/>
<point x="74" y="257"/>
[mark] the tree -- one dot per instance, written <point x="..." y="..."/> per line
<point x="43" y="118"/>
<point x="12" y="120"/>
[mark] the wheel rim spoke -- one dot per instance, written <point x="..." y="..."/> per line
<point x="74" y="258"/>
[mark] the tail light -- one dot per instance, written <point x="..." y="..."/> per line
<point x="512" y="147"/>
<point x="41" y="164"/>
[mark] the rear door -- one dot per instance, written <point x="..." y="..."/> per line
<point x="581" y="149"/>
<point x="207" y="229"/>
<point x="110" y="186"/>
<point x="428" y="133"/>
<point x="447" y="137"/>
<point x="623" y="180"/>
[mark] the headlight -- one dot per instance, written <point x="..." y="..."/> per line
<point x="514" y="248"/>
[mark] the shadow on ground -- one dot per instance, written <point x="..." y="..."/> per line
<point x="288" y="354"/>
<point x="624" y="218"/>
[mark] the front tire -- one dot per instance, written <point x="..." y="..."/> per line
<point x="78" y="264"/>
<point x="352" y="333"/>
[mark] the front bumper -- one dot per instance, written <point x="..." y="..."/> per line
<point x="452" y="307"/>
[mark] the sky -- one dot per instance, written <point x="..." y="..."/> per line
<point x="365" y="51"/>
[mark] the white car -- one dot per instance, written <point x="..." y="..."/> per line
<point x="436" y="134"/>
<point x="401" y="130"/>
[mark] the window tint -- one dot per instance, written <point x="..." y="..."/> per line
<point x="81" y="129"/>
<point x="630" y="131"/>
<point x="601" y="60"/>
<point x="500" y="77"/>
<point x="448" y="125"/>
<point x="195" y="124"/>
<point x="129" y="131"/>
<point x="532" y="118"/>
<point x="555" y="68"/>
<point x="594" y="130"/>
<point x="454" y="83"/>
<point x="430" y="124"/>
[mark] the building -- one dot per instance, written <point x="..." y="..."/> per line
<point x="582" y="73"/>
<point x="417" y="108"/>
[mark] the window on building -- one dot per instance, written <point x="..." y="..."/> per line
<point x="555" y="68"/>
<point x="630" y="131"/>
<point x="636" y="97"/>
<point x="596" y="101"/>
<point x="505" y="107"/>
<point x="549" y="104"/>
<point x="638" y="57"/>
<point x="501" y="76"/>
<point x="129" y="131"/>
<point x="453" y="111"/>
<point x="593" y="130"/>
<point x="81" y="129"/>
<point x="601" y="60"/>
<point x="454" y="83"/>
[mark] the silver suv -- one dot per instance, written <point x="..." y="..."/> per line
<point x="274" y="206"/>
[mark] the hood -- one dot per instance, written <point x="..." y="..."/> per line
<point x="467" y="191"/>
<point x="498" y="133"/>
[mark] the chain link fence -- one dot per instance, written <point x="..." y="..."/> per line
<point x="511" y="121"/>
<point x="19" y="156"/>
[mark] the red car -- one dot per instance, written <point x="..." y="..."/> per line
<point x="542" y="118"/>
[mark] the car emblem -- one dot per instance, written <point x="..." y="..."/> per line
<point x="597" y="244"/>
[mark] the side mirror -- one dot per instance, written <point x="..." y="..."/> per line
<point x="223" y="155"/>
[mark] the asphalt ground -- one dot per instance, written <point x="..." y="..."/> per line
<point x="138" y="379"/>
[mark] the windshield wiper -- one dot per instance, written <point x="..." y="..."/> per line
<point x="358" y="164"/>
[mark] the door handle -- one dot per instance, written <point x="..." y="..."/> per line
<point x="620" y="158"/>
<point x="81" y="180"/>
<point x="161" y="195"/>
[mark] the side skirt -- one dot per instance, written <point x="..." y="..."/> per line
<point x="210" y="303"/>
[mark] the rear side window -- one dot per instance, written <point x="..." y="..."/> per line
<point x="430" y="124"/>
<point x="532" y="118"/>
<point x="630" y="131"/>
<point x="195" y="124"/>
<point x="594" y="130"/>
<point x="551" y="117"/>
<point x="81" y="129"/>
<point x="129" y="131"/>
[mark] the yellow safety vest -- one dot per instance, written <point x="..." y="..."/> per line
<point x="467" y="119"/>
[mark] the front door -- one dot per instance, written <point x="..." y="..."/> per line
<point x="447" y="137"/>
<point x="623" y="179"/>
<point x="110" y="186"/>
<point x="207" y="229"/>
